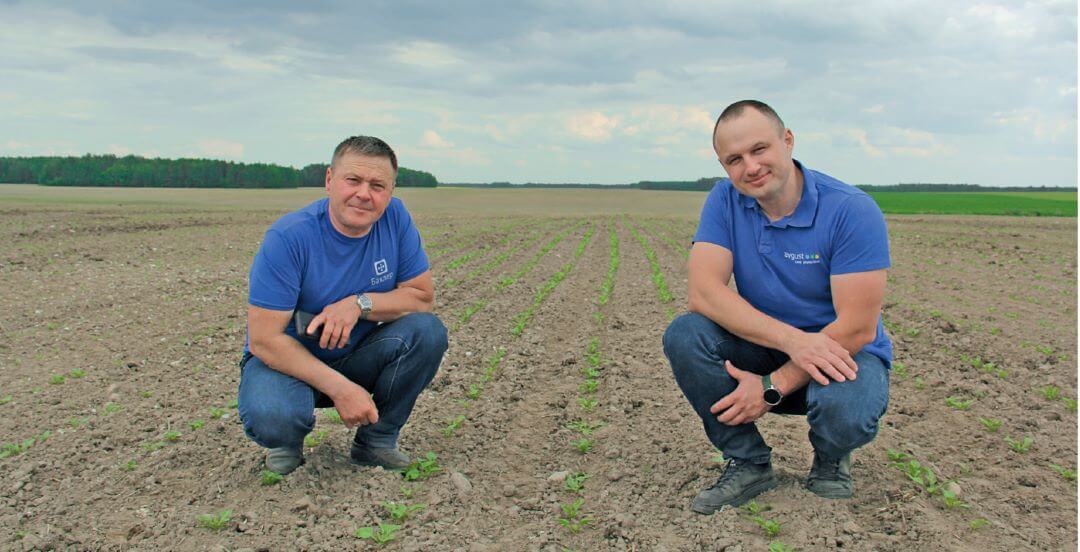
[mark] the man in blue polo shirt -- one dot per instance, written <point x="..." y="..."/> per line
<point x="803" y="332"/>
<point x="354" y="260"/>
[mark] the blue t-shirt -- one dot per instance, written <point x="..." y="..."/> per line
<point x="782" y="268"/>
<point x="305" y="264"/>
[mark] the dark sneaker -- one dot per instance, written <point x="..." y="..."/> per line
<point x="284" y="460"/>
<point x="830" y="478"/>
<point x="740" y="482"/>
<point x="387" y="458"/>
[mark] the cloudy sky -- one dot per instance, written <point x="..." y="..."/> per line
<point x="609" y="92"/>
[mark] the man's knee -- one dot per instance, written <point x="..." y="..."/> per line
<point x="272" y="425"/>
<point x="688" y="339"/>
<point x="844" y="427"/>
<point x="424" y="331"/>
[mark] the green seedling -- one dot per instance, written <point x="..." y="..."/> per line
<point x="951" y="501"/>
<point x="380" y="535"/>
<point x="753" y="508"/>
<point x="269" y="478"/>
<point x="473" y="392"/>
<point x="897" y="456"/>
<point x="422" y="469"/>
<point x="153" y="446"/>
<point x="919" y="383"/>
<point x="958" y="404"/>
<point x="1021" y="446"/>
<point x="582" y="445"/>
<point x="991" y="425"/>
<point x="130" y="465"/>
<point x="592" y="352"/>
<point x="144" y="394"/>
<point x="1050" y="392"/>
<point x="1069" y="403"/>
<point x="572" y="518"/>
<point x="587" y="404"/>
<point x="15" y="449"/>
<point x="584" y="428"/>
<point x="217" y="413"/>
<point x="900" y="369"/>
<point x="196" y="424"/>
<point x="407" y="491"/>
<point x="576" y="482"/>
<point x="978" y="523"/>
<point x="215" y="522"/>
<point x="76" y="422"/>
<point x="452" y="424"/>
<point x="590" y="386"/>
<point x="1002" y="373"/>
<point x="771" y="527"/>
<point x="313" y="439"/>
<point x="777" y="546"/>
<point x="400" y="512"/>
<point x="77" y="373"/>
<point x="1045" y="349"/>
<point x="5" y="399"/>
<point x="234" y="404"/>
<point x="56" y="380"/>
<point x="110" y="408"/>
<point x="1068" y="474"/>
<point x="590" y="373"/>
<point x="332" y="415"/>
<point x="493" y="364"/>
<point x="171" y="436"/>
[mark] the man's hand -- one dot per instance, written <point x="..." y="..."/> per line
<point x="746" y="403"/>
<point x="354" y="405"/>
<point x="821" y="356"/>
<point x="337" y="320"/>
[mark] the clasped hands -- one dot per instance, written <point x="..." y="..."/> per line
<point x="817" y="354"/>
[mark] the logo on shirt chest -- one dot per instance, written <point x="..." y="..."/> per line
<point x="382" y="272"/>
<point x="803" y="258"/>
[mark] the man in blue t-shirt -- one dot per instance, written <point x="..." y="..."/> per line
<point x="354" y="261"/>
<point x="803" y="332"/>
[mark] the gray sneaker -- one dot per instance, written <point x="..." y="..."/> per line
<point x="740" y="482"/>
<point x="284" y="460"/>
<point x="830" y="478"/>
<point x="387" y="458"/>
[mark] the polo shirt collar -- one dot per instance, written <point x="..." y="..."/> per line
<point x="805" y="211"/>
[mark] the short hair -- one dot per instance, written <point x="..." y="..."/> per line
<point x="365" y="145"/>
<point x="734" y="110"/>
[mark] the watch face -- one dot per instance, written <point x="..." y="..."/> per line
<point x="772" y="397"/>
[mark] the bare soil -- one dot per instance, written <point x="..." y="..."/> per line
<point x="149" y="308"/>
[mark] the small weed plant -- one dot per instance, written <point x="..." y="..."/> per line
<point x="583" y="427"/>
<point x="77" y="373"/>
<point x="215" y="522"/>
<point x="770" y="526"/>
<point x="576" y="482"/>
<point x="958" y="403"/>
<point x="422" y="469"/>
<point x="270" y="478"/>
<point x="582" y="445"/>
<point x="979" y="523"/>
<point x="380" y="535"/>
<point x="217" y="413"/>
<point x="1069" y="475"/>
<point x="572" y="518"/>
<point x="777" y="546"/>
<point x="196" y="424"/>
<point x="401" y="511"/>
<point x="453" y="424"/>
<point x="1021" y="446"/>
<point x="1050" y="392"/>
<point x="587" y="404"/>
<point x="990" y="424"/>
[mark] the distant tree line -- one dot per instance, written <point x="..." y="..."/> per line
<point x="134" y="171"/>
<point x="706" y="184"/>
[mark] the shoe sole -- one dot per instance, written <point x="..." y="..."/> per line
<point x="747" y="496"/>
<point x="356" y="462"/>
<point x="833" y="495"/>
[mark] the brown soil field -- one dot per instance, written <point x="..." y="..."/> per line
<point x="122" y="327"/>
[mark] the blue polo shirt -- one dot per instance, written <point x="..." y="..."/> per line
<point x="782" y="268"/>
<point x="305" y="264"/>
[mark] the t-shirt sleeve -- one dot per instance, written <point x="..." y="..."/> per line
<point x="715" y="223"/>
<point x="413" y="261"/>
<point x="274" y="281"/>
<point x="861" y="239"/>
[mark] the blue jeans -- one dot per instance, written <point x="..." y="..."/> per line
<point x="395" y="362"/>
<point x="842" y="415"/>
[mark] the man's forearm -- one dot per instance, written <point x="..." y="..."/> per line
<point x="789" y="378"/>
<point x="733" y="313"/>
<point x="286" y="355"/>
<point x="394" y="304"/>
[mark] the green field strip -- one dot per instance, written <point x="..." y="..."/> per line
<point x="608" y="285"/>
<point x="1047" y="204"/>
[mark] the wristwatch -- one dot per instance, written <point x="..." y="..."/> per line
<point x="364" y="302"/>
<point x="772" y="395"/>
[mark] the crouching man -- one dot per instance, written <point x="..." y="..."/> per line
<point x="354" y="260"/>
<point x="803" y="333"/>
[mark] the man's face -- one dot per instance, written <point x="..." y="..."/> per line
<point x="756" y="154"/>
<point x="360" y="187"/>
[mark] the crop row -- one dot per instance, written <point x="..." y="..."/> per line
<point x="662" y="291"/>
<point x="524" y="316"/>
<point x="490" y="266"/>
